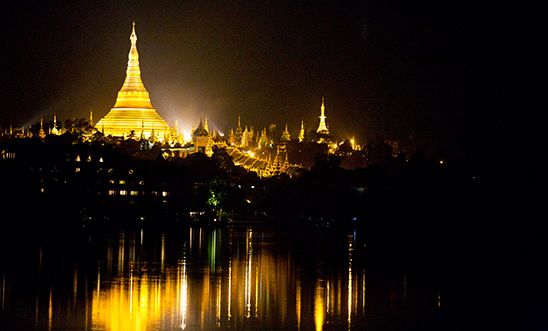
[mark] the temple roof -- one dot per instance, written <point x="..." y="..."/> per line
<point x="200" y="131"/>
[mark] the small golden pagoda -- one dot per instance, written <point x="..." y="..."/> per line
<point x="133" y="110"/>
<point x="301" y="132"/>
<point x="322" y="128"/>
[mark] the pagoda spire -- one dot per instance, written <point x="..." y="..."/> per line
<point x="41" y="133"/>
<point x="301" y="132"/>
<point x="55" y="131"/>
<point x="133" y="92"/>
<point x="285" y="135"/>
<point x="133" y="36"/>
<point x="133" y="102"/>
<point x="322" y="128"/>
<point x="206" y="125"/>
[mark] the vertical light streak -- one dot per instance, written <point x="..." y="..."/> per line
<point x="248" y="271"/>
<point x="257" y="291"/>
<point x="184" y="296"/>
<point x="74" y="286"/>
<point x="163" y="252"/>
<point x="229" y="312"/>
<point x="350" y="249"/>
<point x="328" y="298"/>
<point x="218" y="289"/>
<point x="298" y="303"/>
<point x="121" y="246"/>
<point x="98" y="283"/>
<point x="50" y="310"/>
<point x="319" y="309"/>
<point x="213" y="257"/>
<point x="363" y="292"/>
<point x="190" y="241"/>
<point x="339" y="292"/>
<point x="205" y="308"/>
<point x="131" y="292"/>
<point x="158" y="298"/>
<point x="200" y="240"/>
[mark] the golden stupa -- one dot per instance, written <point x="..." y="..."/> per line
<point x="133" y="110"/>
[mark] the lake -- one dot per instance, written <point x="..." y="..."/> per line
<point x="241" y="277"/>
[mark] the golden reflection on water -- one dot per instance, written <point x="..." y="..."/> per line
<point x="319" y="305"/>
<point x="236" y="285"/>
<point x="350" y="249"/>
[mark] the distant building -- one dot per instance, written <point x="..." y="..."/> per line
<point x="322" y="127"/>
<point x="301" y="132"/>
<point x="201" y="140"/>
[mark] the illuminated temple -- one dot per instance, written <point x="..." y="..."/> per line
<point x="322" y="127"/>
<point x="133" y="110"/>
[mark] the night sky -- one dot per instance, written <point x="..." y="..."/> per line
<point x="432" y="70"/>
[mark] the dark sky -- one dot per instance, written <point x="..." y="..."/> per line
<point x="431" y="69"/>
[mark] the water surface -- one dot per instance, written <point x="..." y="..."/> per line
<point x="208" y="278"/>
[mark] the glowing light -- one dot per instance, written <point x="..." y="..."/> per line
<point x="183" y="299"/>
<point x="229" y="310"/>
<point x="350" y="249"/>
<point x="319" y="311"/>
<point x="322" y="127"/>
<point x="248" y="272"/>
<point x="218" y="290"/>
<point x="50" y="310"/>
<point x="298" y="304"/>
<point x="133" y="111"/>
<point x="363" y="292"/>
<point x="187" y="135"/>
<point x="162" y="250"/>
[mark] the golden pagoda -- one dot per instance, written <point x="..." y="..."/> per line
<point x="54" y="130"/>
<point x="322" y="128"/>
<point x="133" y="110"/>
<point x="301" y="132"/>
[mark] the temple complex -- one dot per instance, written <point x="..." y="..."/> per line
<point x="133" y="111"/>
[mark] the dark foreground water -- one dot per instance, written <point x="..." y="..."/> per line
<point x="236" y="277"/>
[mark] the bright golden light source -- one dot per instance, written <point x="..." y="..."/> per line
<point x="319" y="309"/>
<point x="133" y="111"/>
